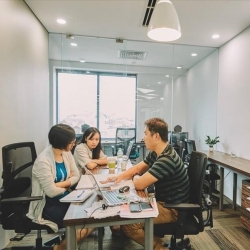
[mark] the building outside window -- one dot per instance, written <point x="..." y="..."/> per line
<point x="102" y="100"/>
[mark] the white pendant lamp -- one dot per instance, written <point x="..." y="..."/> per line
<point x="164" y="25"/>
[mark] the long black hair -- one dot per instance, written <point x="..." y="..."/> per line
<point x="92" y="131"/>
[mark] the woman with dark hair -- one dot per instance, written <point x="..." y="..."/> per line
<point x="53" y="173"/>
<point x="89" y="152"/>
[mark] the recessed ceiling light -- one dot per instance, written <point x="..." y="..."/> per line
<point x="73" y="44"/>
<point x="162" y="98"/>
<point x="82" y="60"/>
<point x="193" y="54"/>
<point x="61" y="21"/>
<point x="215" y="36"/>
<point x="178" y="67"/>
<point x="167" y="75"/>
<point x="159" y="82"/>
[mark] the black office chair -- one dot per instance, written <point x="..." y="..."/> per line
<point x="190" y="220"/>
<point x="122" y="139"/>
<point x="207" y="188"/>
<point x="18" y="160"/>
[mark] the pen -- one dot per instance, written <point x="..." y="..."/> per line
<point x="79" y="195"/>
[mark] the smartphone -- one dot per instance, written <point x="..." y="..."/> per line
<point x="135" y="207"/>
<point x="145" y="206"/>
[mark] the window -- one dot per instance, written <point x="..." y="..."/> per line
<point x="101" y="100"/>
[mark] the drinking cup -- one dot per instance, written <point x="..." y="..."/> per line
<point x="111" y="164"/>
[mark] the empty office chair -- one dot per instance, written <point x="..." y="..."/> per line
<point x="122" y="139"/>
<point x="190" y="220"/>
<point x="18" y="160"/>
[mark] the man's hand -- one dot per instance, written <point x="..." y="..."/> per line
<point x="115" y="179"/>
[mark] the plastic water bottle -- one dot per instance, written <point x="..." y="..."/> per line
<point x="119" y="157"/>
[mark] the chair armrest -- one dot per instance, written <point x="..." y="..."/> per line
<point x="1" y="190"/>
<point x="21" y="199"/>
<point x="182" y="206"/>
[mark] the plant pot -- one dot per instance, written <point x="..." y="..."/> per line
<point x="211" y="148"/>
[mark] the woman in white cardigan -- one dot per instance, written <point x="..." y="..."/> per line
<point x="53" y="173"/>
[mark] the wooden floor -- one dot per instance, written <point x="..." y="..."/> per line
<point x="227" y="234"/>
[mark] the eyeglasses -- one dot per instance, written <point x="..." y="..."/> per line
<point x="73" y="142"/>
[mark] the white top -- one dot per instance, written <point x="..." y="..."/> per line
<point x="83" y="155"/>
<point x="43" y="176"/>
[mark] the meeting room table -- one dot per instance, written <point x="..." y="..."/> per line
<point x="77" y="218"/>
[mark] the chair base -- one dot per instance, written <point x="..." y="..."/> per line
<point x="48" y="245"/>
<point x="180" y="245"/>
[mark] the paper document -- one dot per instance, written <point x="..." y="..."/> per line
<point x="85" y="182"/>
<point x="98" y="212"/>
<point x="125" y="212"/>
<point x="79" y="195"/>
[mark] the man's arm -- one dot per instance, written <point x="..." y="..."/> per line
<point x="144" y="181"/>
<point x="139" y="168"/>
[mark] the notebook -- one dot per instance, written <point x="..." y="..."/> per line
<point x="77" y="195"/>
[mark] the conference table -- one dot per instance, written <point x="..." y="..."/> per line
<point x="77" y="218"/>
<point x="235" y="164"/>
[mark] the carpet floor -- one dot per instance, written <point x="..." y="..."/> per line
<point x="227" y="234"/>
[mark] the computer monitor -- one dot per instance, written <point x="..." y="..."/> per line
<point x="176" y="137"/>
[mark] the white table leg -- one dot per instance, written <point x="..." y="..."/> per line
<point x="71" y="238"/>
<point x="149" y="233"/>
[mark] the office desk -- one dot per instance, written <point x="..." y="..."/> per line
<point x="236" y="164"/>
<point x="76" y="218"/>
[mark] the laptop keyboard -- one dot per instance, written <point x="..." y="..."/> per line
<point x="112" y="199"/>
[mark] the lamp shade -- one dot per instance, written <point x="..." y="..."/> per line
<point x="164" y="25"/>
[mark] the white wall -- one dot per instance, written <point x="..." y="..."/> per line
<point x="233" y="124"/>
<point x="24" y="84"/>
<point x="195" y="100"/>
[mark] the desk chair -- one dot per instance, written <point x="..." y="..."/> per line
<point x="190" y="220"/>
<point x="189" y="147"/>
<point x="122" y="139"/>
<point x="18" y="160"/>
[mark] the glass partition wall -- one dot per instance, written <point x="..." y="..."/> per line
<point x="109" y="83"/>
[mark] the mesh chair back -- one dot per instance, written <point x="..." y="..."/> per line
<point x="124" y="136"/>
<point x="18" y="160"/>
<point x="196" y="172"/>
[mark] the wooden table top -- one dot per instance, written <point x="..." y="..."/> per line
<point x="237" y="164"/>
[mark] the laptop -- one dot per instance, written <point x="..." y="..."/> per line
<point x="112" y="197"/>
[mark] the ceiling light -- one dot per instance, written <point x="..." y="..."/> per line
<point x="215" y="36"/>
<point x="167" y="75"/>
<point x="162" y="98"/>
<point x="159" y="82"/>
<point x="193" y="54"/>
<point x="82" y="60"/>
<point x="73" y="44"/>
<point x="178" y="67"/>
<point x="164" y="25"/>
<point x="61" y="21"/>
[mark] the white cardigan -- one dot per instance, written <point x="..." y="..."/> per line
<point x="43" y="176"/>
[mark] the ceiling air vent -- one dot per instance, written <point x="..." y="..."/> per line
<point x="148" y="13"/>
<point x="131" y="54"/>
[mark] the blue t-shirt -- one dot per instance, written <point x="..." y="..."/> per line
<point x="61" y="175"/>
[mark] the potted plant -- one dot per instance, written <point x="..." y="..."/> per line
<point x="211" y="142"/>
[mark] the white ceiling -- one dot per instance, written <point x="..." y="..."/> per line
<point x="123" y="19"/>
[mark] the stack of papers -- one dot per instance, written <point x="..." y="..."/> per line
<point x="125" y="212"/>
<point x="77" y="195"/>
